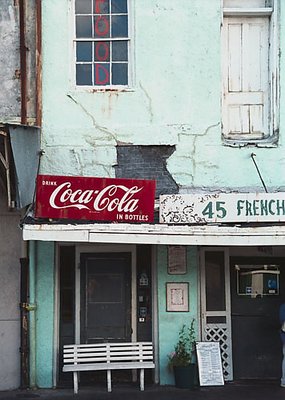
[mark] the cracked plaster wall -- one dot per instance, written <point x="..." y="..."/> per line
<point x="175" y="100"/>
<point x="10" y="66"/>
<point x="9" y="61"/>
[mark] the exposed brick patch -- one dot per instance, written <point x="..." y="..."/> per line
<point x="146" y="162"/>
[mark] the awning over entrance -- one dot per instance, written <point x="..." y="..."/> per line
<point x="206" y="235"/>
<point x="19" y="159"/>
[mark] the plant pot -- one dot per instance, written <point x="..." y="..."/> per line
<point x="185" y="377"/>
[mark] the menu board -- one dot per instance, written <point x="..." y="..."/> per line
<point x="209" y="364"/>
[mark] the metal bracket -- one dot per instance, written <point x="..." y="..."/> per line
<point x="28" y="307"/>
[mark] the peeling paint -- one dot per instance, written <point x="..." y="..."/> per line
<point x="10" y="71"/>
<point x="169" y="103"/>
<point x="10" y="87"/>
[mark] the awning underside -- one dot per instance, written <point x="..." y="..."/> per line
<point x="206" y="235"/>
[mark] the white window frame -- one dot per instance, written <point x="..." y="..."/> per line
<point x="130" y="62"/>
<point x="273" y="74"/>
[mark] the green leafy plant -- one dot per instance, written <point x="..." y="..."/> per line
<point x="183" y="353"/>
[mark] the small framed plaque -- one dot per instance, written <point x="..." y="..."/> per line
<point x="177" y="296"/>
<point x="177" y="260"/>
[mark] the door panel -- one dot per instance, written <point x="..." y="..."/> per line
<point x="215" y="303"/>
<point x="245" y="76"/>
<point x="67" y="303"/>
<point x="255" y="324"/>
<point x="105" y="297"/>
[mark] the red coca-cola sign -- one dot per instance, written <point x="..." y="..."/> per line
<point x="97" y="199"/>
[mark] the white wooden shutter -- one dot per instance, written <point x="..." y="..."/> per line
<point x="246" y="77"/>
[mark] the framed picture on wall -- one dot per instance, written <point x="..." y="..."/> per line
<point x="177" y="296"/>
<point x="177" y="260"/>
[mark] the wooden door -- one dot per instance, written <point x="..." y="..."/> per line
<point x="105" y="297"/>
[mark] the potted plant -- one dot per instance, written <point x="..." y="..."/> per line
<point x="182" y="359"/>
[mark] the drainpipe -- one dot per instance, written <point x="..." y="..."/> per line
<point x="32" y="313"/>
<point x="23" y="62"/>
<point x="38" y="62"/>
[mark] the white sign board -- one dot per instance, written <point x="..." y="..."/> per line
<point x="209" y="364"/>
<point x="222" y="208"/>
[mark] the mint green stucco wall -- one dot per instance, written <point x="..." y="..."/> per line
<point x="42" y="319"/>
<point x="175" y="99"/>
<point x="169" y="323"/>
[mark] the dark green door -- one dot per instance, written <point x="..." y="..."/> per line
<point x="105" y="297"/>
<point x="255" y="298"/>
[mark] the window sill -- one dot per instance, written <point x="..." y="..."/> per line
<point x="271" y="142"/>
<point x="92" y="89"/>
<point x="247" y="12"/>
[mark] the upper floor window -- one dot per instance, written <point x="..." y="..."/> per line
<point x="102" y="43"/>
<point x="250" y="71"/>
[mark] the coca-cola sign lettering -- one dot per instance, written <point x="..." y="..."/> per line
<point x="101" y="199"/>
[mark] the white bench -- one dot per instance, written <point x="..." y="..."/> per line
<point x="107" y="356"/>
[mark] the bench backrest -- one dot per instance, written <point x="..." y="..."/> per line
<point x="108" y="353"/>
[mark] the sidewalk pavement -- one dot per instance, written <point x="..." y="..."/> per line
<point x="230" y="391"/>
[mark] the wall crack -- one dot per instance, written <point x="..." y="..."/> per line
<point x="95" y="124"/>
<point x="149" y="107"/>
<point x="193" y="152"/>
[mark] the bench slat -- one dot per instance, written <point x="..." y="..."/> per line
<point x="112" y="350"/>
<point x="121" y="344"/>
<point x="85" y="360"/>
<point x="105" y="366"/>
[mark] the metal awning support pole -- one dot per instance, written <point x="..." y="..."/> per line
<point x="32" y="313"/>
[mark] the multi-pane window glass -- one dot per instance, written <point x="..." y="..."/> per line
<point x="102" y="42"/>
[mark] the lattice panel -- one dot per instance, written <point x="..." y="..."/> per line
<point x="220" y="333"/>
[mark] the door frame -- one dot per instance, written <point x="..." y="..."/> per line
<point x="210" y="331"/>
<point x="102" y="248"/>
<point x="256" y="311"/>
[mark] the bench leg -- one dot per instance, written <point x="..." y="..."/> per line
<point x="142" y="379"/>
<point x="75" y="381"/>
<point x="109" y="383"/>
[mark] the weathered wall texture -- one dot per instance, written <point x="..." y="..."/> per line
<point x="10" y="64"/>
<point x="146" y="162"/>
<point x="171" y="322"/>
<point x="10" y="234"/>
<point x="10" y="97"/>
<point x="30" y="29"/>
<point x="175" y="100"/>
